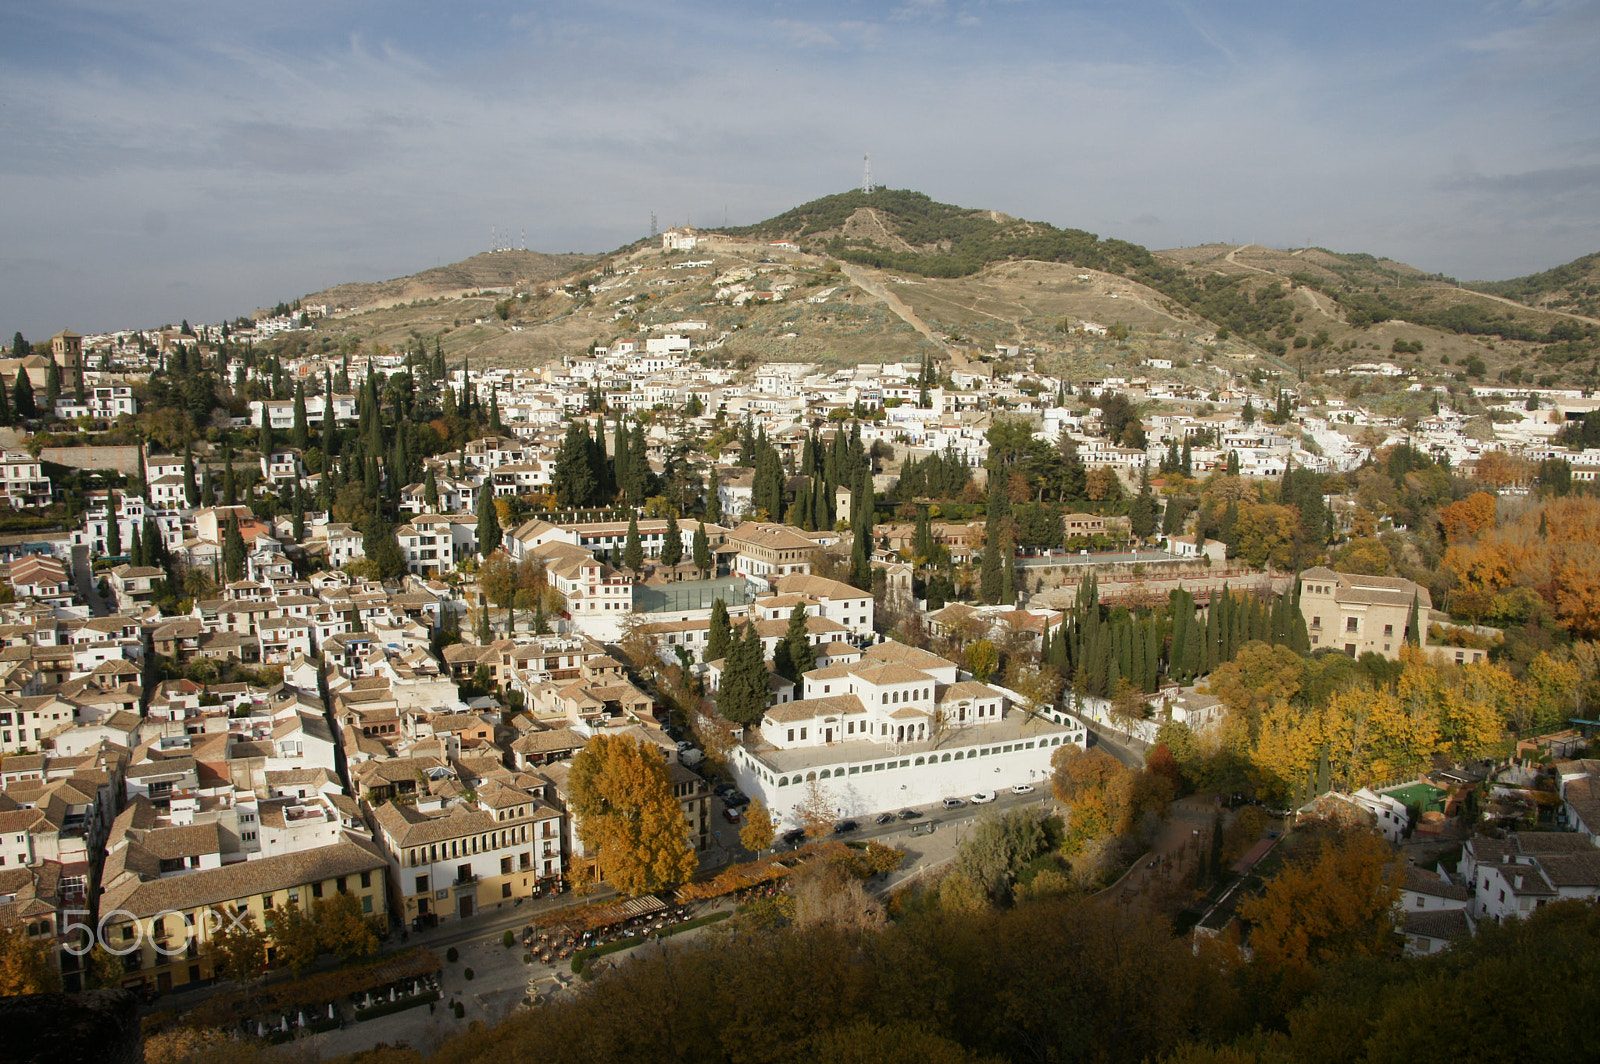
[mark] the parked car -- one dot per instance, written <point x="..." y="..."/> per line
<point x="845" y="827"/>
<point x="794" y="836"/>
<point x="735" y="800"/>
<point x="732" y="815"/>
<point x="983" y="798"/>
<point x="953" y="803"/>
<point x="1022" y="788"/>
<point x="722" y="790"/>
<point x="910" y="814"/>
<point x="884" y="818"/>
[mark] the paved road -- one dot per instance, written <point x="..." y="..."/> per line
<point x="1125" y="750"/>
<point x="83" y="573"/>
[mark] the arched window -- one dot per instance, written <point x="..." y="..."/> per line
<point x="824" y="774"/>
<point x="811" y="777"/>
<point x="783" y="781"/>
<point x="958" y="755"/>
<point x="946" y="757"/>
<point x="921" y="761"/>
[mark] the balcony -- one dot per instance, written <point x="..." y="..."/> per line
<point x="465" y="881"/>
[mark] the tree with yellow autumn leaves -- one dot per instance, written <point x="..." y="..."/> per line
<point x="627" y="816"/>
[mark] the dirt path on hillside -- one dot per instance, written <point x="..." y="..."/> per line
<point x="1524" y="306"/>
<point x="876" y="288"/>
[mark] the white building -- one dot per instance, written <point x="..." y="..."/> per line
<point x="897" y="728"/>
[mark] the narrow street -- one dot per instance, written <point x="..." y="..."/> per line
<point x="83" y="574"/>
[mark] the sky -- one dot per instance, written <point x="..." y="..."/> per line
<point x="196" y="159"/>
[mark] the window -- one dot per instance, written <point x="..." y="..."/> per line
<point x="1316" y="622"/>
<point x="366" y="903"/>
<point x="505" y="890"/>
<point x="1388" y="630"/>
<point x="505" y="866"/>
<point x="366" y="879"/>
<point x="316" y="890"/>
<point x="1350" y="624"/>
<point x="422" y="885"/>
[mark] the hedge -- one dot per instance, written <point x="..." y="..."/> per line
<point x="385" y="1008"/>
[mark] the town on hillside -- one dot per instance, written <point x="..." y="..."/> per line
<point x="360" y="644"/>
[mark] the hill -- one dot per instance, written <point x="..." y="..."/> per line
<point x="905" y="230"/>
<point x="492" y="269"/>
<point x="1574" y="287"/>
<point x="888" y="275"/>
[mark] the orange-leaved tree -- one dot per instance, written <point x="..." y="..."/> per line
<point x="627" y="816"/>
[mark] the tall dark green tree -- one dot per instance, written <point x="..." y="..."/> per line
<point x="742" y="696"/>
<point x="6" y="417"/>
<point x="717" y="639"/>
<point x="633" y="548"/>
<point x="22" y="396"/>
<point x="233" y="550"/>
<point x="113" y="527"/>
<point x="301" y="438"/>
<point x="52" y="385"/>
<point x="713" y="498"/>
<point x="671" y="543"/>
<point x="191" y="490"/>
<point x="862" y="523"/>
<point x="489" y="534"/>
<point x="430" y="492"/>
<point x="702" y="549"/>
<point x="638" y="466"/>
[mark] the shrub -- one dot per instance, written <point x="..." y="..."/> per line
<point x="508" y="940"/>
<point x="460" y="1010"/>
<point x="468" y="974"/>
<point x="452" y="954"/>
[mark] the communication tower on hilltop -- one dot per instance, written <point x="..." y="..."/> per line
<point x="655" y="230"/>
<point x="866" y="174"/>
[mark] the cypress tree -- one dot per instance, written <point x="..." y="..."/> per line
<point x="136" y="549"/>
<point x="672" y="542"/>
<point x="620" y="458"/>
<point x="230" y="488"/>
<point x="191" y="490"/>
<point x="22" y="396"/>
<point x="633" y="550"/>
<point x="233" y="550"/>
<point x="713" y="499"/>
<point x="1213" y="639"/>
<point x="5" y="402"/>
<point x="300" y="439"/>
<point x="638" y="465"/>
<point x="1413" y="622"/>
<point x="489" y="534"/>
<point x="430" y="492"/>
<point x="52" y="385"/>
<point x="264" y="441"/>
<point x="862" y="525"/>
<point x="1008" y="581"/>
<point x="721" y="631"/>
<point x="702" y="549"/>
<point x="801" y="657"/>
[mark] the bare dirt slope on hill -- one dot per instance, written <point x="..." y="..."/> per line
<point x="494" y="269"/>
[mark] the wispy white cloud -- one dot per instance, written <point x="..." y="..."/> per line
<point x="181" y="161"/>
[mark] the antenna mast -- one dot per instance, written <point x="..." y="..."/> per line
<point x="866" y="173"/>
<point x="654" y="229"/>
